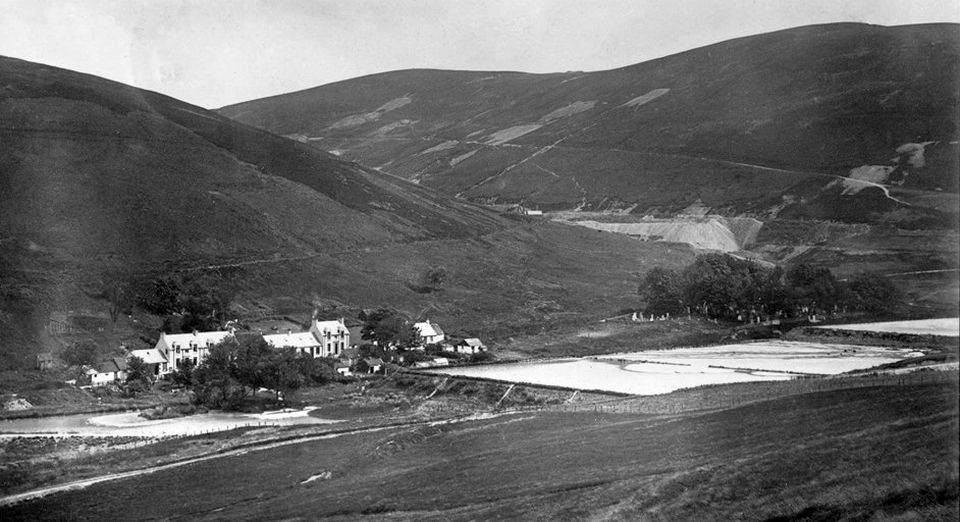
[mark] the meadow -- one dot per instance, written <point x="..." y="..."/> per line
<point x="884" y="451"/>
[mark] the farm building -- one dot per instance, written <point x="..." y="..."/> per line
<point x="430" y="333"/>
<point x="45" y="361"/>
<point x="152" y="358"/>
<point x="114" y="370"/>
<point x="370" y="365"/>
<point x="432" y="363"/>
<point x="470" y="346"/>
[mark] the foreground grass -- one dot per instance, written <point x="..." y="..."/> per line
<point x="848" y="454"/>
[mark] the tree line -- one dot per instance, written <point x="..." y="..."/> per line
<point x="720" y="286"/>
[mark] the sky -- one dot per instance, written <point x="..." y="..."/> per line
<point x="217" y="52"/>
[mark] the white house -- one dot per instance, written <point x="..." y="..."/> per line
<point x="333" y="336"/>
<point x="370" y="365"/>
<point x="304" y="342"/>
<point x="194" y="347"/>
<point x="114" y="370"/>
<point x="470" y="345"/>
<point x="343" y="368"/>
<point x="430" y="333"/>
<point x="151" y="357"/>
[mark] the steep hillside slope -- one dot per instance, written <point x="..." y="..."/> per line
<point x="101" y="184"/>
<point x="749" y="125"/>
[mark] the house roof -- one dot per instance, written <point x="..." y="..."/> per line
<point x="334" y="327"/>
<point x="150" y="356"/>
<point x="292" y="340"/>
<point x="198" y="338"/>
<point x="373" y="361"/>
<point x="117" y="364"/>
<point x="472" y="341"/>
<point x="428" y="329"/>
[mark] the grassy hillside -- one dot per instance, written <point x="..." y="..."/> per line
<point x="739" y="124"/>
<point x="879" y="452"/>
<point x="101" y="183"/>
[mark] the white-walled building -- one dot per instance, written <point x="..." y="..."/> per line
<point x="304" y="342"/>
<point x="114" y="370"/>
<point x="333" y="336"/>
<point x="153" y="358"/>
<point x="430" y="333"/>
<point x="470" y="345"/>
<point x="177" y="348"/>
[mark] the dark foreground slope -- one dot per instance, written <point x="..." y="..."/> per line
<point x="868" y="453"/>
<point x="738" y="125"/>
<point x="102" y="183"/>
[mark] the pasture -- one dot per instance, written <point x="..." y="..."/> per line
<point x="885" y="452"/>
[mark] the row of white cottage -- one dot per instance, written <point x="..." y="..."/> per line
<point x="323" y="339"/>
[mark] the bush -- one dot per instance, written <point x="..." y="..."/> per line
<point x="482" y="357"/>
<point x="82" y="353"/>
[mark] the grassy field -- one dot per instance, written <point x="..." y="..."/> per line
<point x="884" y="452"/>
<point x="28" y="462"/>
<point x="595" y="338"/>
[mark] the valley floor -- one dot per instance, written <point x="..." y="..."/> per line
<point x="877" y="450"/>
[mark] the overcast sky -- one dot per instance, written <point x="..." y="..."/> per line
<point x="216" y="52"/>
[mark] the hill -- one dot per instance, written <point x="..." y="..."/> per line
<point x="103" y="185"/>
<point x="772" y="124"/>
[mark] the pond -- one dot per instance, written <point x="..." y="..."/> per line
<point x="130" y="424"/>
<point x="663" y="371"/>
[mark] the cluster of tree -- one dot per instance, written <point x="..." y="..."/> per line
<point x="388" y="328"/>
<point x="724" y="287"/>
<point x="190" y="303"/>
<point x="236" y="368"/>
<point x="81" y="353"/>
<point x="139" y="375"/>
<point x="433" y="281"/>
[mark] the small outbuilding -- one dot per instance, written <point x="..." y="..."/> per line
<point x="370" y="365"/>
<point x="114" y="370"/>
<point x="152" y="358"/>
<point x="470" y="346"/>
<point x="45" y="361"/>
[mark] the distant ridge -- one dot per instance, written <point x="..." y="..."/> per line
<point x="751" y="125"/>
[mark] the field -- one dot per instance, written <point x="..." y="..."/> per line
<point x="881" y="452"/>
<point x="662" y="371"/>
<point x="949" y="327"/>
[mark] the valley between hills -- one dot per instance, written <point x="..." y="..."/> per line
<point x="526" y="210"/>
